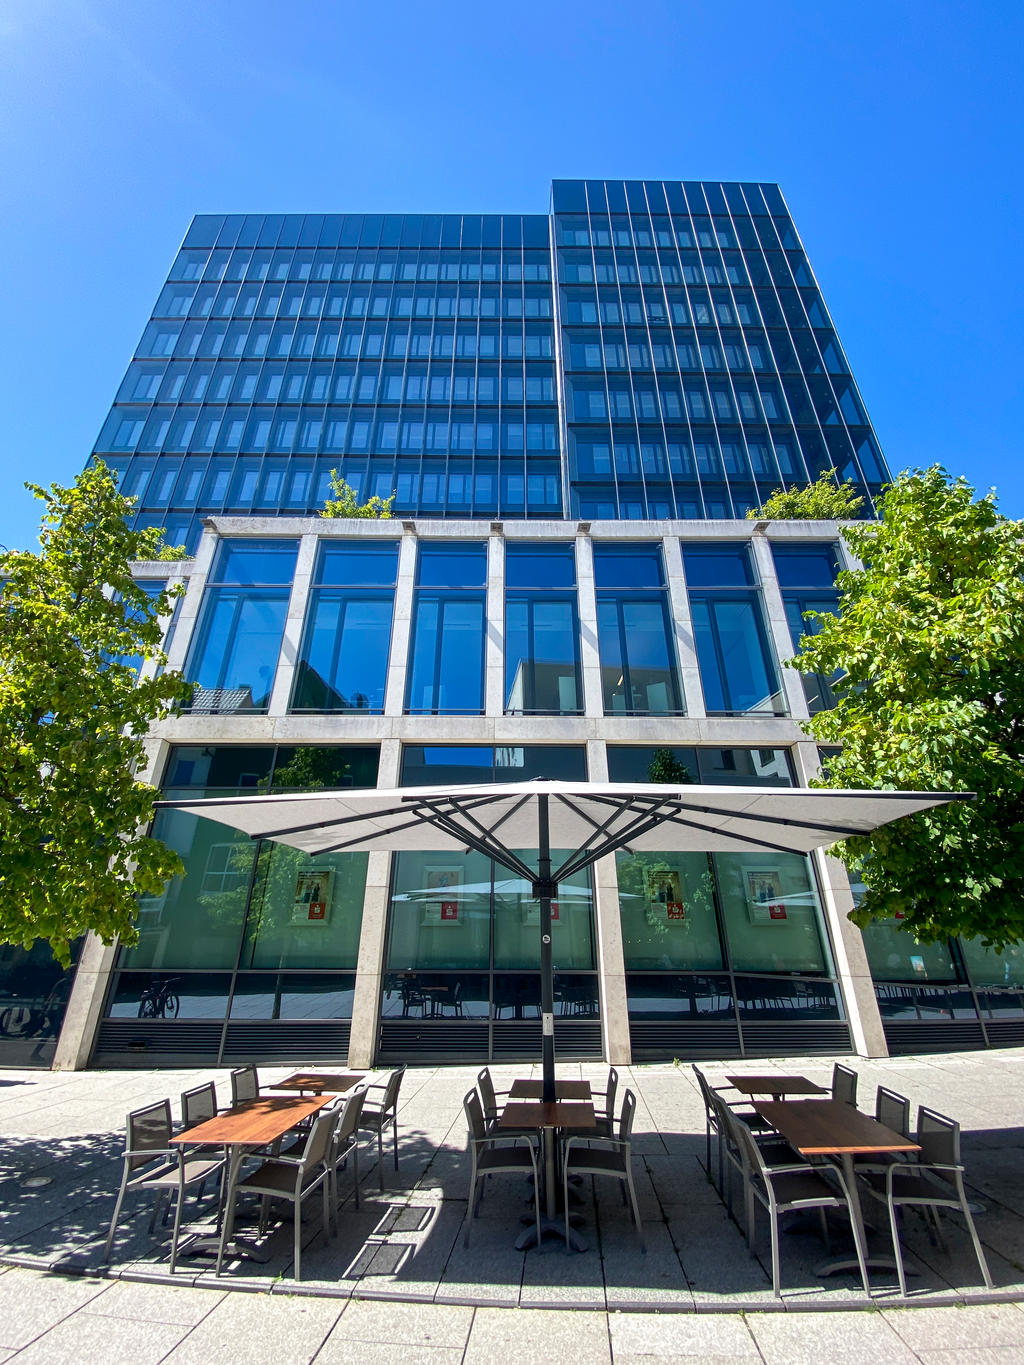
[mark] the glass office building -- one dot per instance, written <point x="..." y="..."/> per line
<point x="573" y="412"/>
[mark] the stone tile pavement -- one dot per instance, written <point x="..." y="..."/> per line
<point x="399" y="1276"/>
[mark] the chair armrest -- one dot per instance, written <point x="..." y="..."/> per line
<point x="603" y="1143"/>
<point x="152" y="1153"/>
<point x="802" y="1169"/>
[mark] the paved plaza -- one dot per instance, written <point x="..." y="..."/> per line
<point x="398" y="1277"/>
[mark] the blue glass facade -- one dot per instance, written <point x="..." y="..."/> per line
<point x="647" y="349"/>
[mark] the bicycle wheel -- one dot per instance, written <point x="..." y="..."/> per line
<point x="147" y="1009"/>
<point x="15" y="1020"/>
<point x="171" y="1006"/>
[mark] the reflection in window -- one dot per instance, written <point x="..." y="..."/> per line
<point x="771" y="912"/>
<point x="736" y="665"/>
<point x="446" y="672"/>
<point x="344" y="661"/>
<point x="807" y="578"/>
<point x="638" y="669"/>
<point x="712" y="767"/>
<point x="233" y="658"/>
<point x="542" y="650"/>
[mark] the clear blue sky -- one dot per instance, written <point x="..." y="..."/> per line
<point x="892" y="125"/>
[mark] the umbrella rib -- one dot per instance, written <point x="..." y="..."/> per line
<point x="481" y="842"/>
<point x="840" y="831"/>
<point x="640" y="824"/>
<point x="359" y="838"/>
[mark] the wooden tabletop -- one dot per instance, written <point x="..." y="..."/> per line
<point x="831" y="1128"/>
<point x="254" y="1123"/>
<point x="537" y="1114"/>
<point x="564" y="1090"/>
<point x="319" y="1082"/>
<point x="776" y="1085"/>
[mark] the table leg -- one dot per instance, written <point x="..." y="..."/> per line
<point x="863" y="1262"/>
<point x="552" y="1223"/>
<point x="218" y="1243"/>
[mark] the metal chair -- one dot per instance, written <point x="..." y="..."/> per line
<point x="377" y="1115"/>
<point x="198" y="1104"/>
<point x="346" y="1143"/>
<point x="245" y="1085"/>
<point x="496" y="1155"/>
<point x="489" y="1097"/>
<point x="935" y="1180"/>
<point x="844" y="1084"/>
<point x="605" y="1115"/>
<point x="609" y="1157"/>
<point x="151" y="1163"/>
<point x="293" y="1178"/>
<point x="780" y="1188"/>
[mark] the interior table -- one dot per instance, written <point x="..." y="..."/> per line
<point x="835" y="1129"/>
<point x="777" y="1086"/>
<point x="318" y="1082"/>
<point x="578" y="1114"/>
<point x="241" y="1130"/>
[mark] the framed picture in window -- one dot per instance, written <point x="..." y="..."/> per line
<point x="312" y="903"/>
<point x="444" y="888"/>
<point x="664" y="894"/>
<point x="765" y="901"/>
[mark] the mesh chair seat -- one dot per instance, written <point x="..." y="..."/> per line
<point x="506" y="1160"/>
<point x="495" y="1155"/>
<point x="804" y="1187"/>
<point x="595" y="1161"/>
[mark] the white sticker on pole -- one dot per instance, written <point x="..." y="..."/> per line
<point x="548" y="1025"/>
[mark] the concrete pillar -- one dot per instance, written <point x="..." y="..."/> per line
<point x="494" y="645"/>
<point x="192" y="600"/>
<point x="373" y="932"/>
<point x="291" y="642"/>
<point x="401" y="628"/>
<point x="778" y="628"/>
<point x="611" y="964"/>
<point x="848" y="949"/>
<point x="682" y="628"/>
<point x="593" y="696"/>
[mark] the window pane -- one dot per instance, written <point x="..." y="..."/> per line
<point x="770" y="906"/>
<point x="304" y="911"/>
<point x="667" y="910"/>
<point x="345" y="656"/>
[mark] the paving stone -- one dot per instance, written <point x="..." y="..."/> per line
<point x="940" y="1329"/>
<point x="252" y="1329"/>
<point x="31" y="1303"/>
<point x="521" y="1336"/>
<point x="401" y="1324"/>
<point x="338" y="1351"/>
<point x="88" y="1337"/>
<point x="681" y="1335"/>
<point x="982" y="1355"/>
<point x="839" y="1338"/>
<point x="154" y="1303"/>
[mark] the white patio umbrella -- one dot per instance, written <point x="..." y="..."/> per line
<point x="592" y="819"/>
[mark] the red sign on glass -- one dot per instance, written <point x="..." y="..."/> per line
<point x="449" y="909"/>
<point x="776" y="912"/>
<point x="675" y="910"/>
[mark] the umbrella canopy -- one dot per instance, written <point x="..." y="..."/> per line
<point x="592" y="819"/>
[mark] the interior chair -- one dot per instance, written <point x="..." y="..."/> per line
<point x="378" y="1114"/>
<point x="933" y="1179"/>
<point x="844" y="1084"/>
<point x="151" y="1163"/>
<point x="610" y="1157"/>
<point x="492" y="1154"/>
<point x="783" y="1187"/>
<point x="346" y="1143"/>
<point x="245" y="1085"/>
<point x="293" y="1178"/>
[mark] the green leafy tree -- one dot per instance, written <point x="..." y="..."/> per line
<point x="930" y="643"/>
<point x="665" y="767"/>
<point x="345" y="504"/>
<point x="169" y="552"/>
<point x="74" y="627"/>
<point x="824" y="500"/>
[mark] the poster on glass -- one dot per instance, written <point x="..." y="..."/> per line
<point x="664" y="894"/>
<point x="312" y="903"/>
<point x="444" y="887"/>
<point x="765" y="901"/>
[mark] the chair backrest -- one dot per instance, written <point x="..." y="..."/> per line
<point x="245" y="1085"/>
<point x="610" y="1091"/>
<point x="318" y="1143"/>
<point x="707" y="1094"/>
<point x="744" y="1140"/>
<point x="199" y="1104"/>
<point x="390" y="1100"/>
<point x="474" y="1115"/>
<point x="939" y="1138"/>
<point x="628" y="1111"/>
<point x="148" y="1130"/>
<point x="893" y="1110"/>
<point x="351" y="1113"/>
<point x="844" y="1084"/>
<point x="486" y="1088"/>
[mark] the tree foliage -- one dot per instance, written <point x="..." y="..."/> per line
<point x="824" y="500"/>
<point x="73" y="628"/>
<point x="345" y="504"/>
<point x="930" y="638"/>
<point x="665" y="767"/>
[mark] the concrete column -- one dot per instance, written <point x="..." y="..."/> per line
<point x="611" y="964"/>
<point x="401" y="629"/>
<point x="192" y="600"/>
<point x="373" y="932"/>
<point x="682" y="627"/>
<point x="778" y="628"/>
<point x="593" y="695"/>
<point x="291" y="642"/>
<point x="494" y="647"/>
<point x="852" y="969"/>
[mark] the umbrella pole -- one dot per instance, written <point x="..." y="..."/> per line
<point x="544" y="890"/>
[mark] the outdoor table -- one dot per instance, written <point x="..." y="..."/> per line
<point x="248" y="1126"/>
<point x="564" y="1090"/>
<point x="519" y="1114"/>
<point x="836" y="1129"/>
<point x="777" y="1086"/>
<point x="318" y="1082"/>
